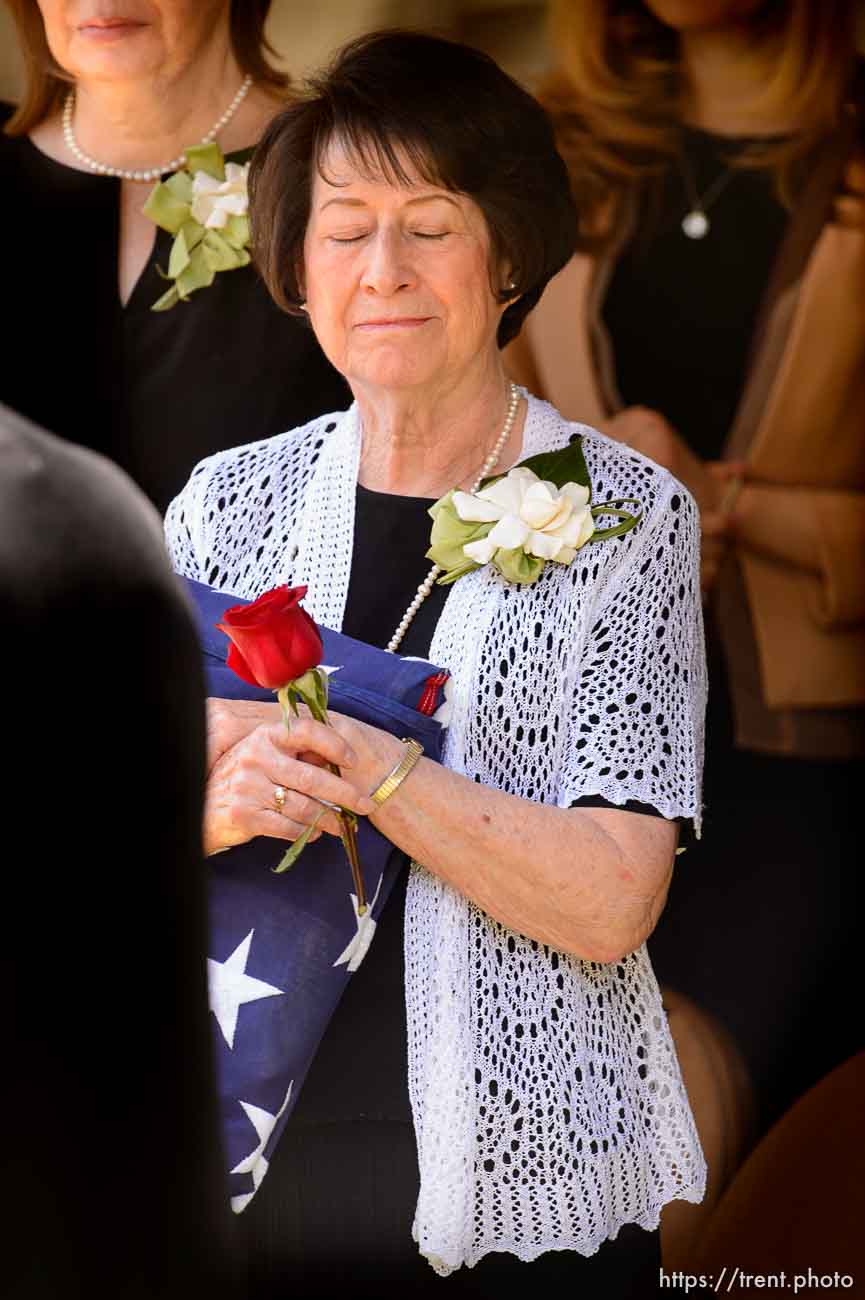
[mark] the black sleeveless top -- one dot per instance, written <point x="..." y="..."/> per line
<point x="154" y="391"/>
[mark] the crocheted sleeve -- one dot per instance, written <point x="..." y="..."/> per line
<point x="184" y="524"/>
<point x="635" y="729"/>
<point x="232" y="525"/>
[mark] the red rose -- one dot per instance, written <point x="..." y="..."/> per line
<point x="273" y="640"/>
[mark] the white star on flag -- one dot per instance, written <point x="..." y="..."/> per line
<point x="230" y="987"/>
<point x="256" y="1163"/>
<point x="356" y="950"/>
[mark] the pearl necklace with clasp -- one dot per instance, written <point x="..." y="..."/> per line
<point x="151" y="173"/>
<point x="491" y="461"/>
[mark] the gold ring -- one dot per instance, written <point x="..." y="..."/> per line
<point x="279" y="797"/>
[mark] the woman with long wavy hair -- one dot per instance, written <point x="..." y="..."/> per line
<point x="115" y="96"/>
<point x="712" y="320"/>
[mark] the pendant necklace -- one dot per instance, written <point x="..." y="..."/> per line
<point x="486" y="469"/>
<point x="695" y="223"/>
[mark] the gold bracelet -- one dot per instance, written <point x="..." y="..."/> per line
<point x="395" y="778"/>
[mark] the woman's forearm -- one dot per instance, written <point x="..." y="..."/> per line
<point x="777" y="521"/>
<point x="817" y="530"/>
<point x="587" y="881"/>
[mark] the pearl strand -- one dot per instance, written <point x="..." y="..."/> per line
<point x="486" y="469"/>
<point x="152" y="173"/>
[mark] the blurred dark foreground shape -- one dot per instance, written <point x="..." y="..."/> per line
<point x="110" y="1162"/>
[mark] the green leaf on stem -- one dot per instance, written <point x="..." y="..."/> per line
<point x="567" y="465"/>
<point x="196" y="274"/>
<point x="206" y="158"/>
<point x="236" y="231"/>
<point x="287" y="703"/>
<point x="448" y="537"/>
<point x="219" y="253"/>
<point x="468" y="566"/>
<point x="313" y="692"/>
<point x="288" y="860"/>
<point x="516" y="566"/>
<point x="167" y="300"/>
<point x="169" y="202"/>
<point x="629" y="521"/>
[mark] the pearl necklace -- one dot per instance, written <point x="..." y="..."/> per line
<point x="151" y="173"/>
<point x="427" y="585"/>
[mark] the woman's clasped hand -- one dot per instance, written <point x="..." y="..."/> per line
<point x="714" y="483"/>
<point x="243" y="775"/>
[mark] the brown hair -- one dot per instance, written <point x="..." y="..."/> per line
<point x="46" y="82"/>
<point x="616" y="97"/>
<point x="406" y="103"/>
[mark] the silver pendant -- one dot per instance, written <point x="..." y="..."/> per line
<point x="696" y="224"/>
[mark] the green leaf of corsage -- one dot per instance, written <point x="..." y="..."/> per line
<point x="205" y="207"/>
<point x="540" y="511"/>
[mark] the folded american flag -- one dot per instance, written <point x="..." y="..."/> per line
<point x="277" y="964"/>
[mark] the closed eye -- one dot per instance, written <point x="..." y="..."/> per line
<point x="418" y="234"/>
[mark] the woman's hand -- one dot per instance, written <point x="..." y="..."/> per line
<point x="515" y="858"/>
<point x="230" y="721"/>
<point x="376" y="752"/>
<point x="711" y="483"/>
<point x="239" y="799"/>
<point x="649" y="433"/>
<point x="714" y="541"/>
<point x="717" y="526"/>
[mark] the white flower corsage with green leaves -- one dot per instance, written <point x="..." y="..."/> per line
<point x="205" y="207"/>
<point x="541" y="511"/>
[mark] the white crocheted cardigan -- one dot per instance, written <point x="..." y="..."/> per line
<point x="548" y="1105"/>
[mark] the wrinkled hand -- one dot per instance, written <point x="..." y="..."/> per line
<point x="230" y="721"/>
<point x="239" y="799"/>
<point x="716" y="526"/>
<point x="711" y="483"/>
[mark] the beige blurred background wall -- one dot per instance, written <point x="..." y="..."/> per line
<point x="305" y="34"/>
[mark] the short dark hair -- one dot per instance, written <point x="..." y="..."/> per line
<point x="459" y="122"/>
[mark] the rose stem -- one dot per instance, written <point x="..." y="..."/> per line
<point x="347" y="824"/>
<point x="348" y="834"/>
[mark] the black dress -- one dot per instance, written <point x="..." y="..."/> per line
<point x="337" y="1204"/>
<point x="155" y="391"/>
<point x="758" y="926"/>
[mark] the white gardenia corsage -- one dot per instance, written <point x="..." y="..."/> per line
<point x="214" y="201"/>
<point x="539" y="511"/>
<point x="205" y="207"/>
<point x="548" y="522"/>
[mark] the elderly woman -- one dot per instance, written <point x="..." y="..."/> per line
<point x="547" y="1103"/>
<point x="114" y="97"/>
